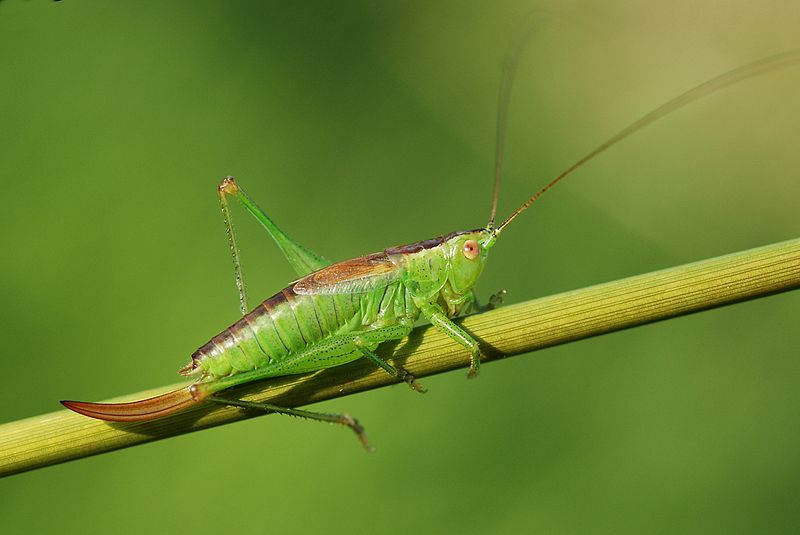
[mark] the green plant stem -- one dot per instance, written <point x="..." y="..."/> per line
<point x="62" y="435"/>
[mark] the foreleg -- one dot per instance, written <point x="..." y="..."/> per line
<point x="437" y="317"/>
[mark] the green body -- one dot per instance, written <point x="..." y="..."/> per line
<point x="337" y="313"/>
<point x="341" y="312"/>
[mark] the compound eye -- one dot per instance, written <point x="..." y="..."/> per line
<point x="471" y="249"/>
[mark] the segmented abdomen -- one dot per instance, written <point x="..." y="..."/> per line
<point x="283" y="325"/>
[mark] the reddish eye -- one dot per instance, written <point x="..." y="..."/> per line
<point x="471" y="249"/>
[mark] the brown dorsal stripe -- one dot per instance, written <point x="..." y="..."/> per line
<point x="426" y="244"/>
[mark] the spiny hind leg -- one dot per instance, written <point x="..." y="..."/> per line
<point x="225" y="188"/>
<point x="341" y="419"/>
<point x="367" y="339"/>
<point x="302" y="260"/>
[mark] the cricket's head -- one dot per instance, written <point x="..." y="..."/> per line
<point x="468" y="254"/>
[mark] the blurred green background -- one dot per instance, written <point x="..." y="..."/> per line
<point x="362" y="125"/>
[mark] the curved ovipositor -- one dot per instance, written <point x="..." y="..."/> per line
<point x="137" y="411"/>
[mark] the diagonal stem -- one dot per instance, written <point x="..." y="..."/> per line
<point x="512" y="330"/>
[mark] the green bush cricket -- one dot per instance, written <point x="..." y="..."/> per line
<point x="336" y="313"/>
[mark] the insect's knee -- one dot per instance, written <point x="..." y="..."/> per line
<point x="228" y="186"/>
<point x="364" y="342"/>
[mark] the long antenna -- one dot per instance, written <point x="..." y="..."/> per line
<point x="713" y="85"/>
<point x="510" y="63"/>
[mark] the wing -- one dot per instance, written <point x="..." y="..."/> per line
<point x="358" y="275"/>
